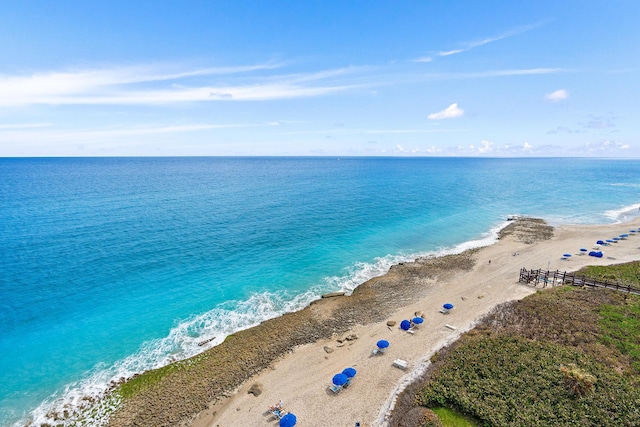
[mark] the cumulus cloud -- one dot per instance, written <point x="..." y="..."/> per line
<point x="606" y="146"/>
<point x="485" y="147"/>
<point x="450" y="112"/>
<point x="419" y="151"/>
<point x="556" y="96"/>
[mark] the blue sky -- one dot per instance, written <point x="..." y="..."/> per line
<point x="344" y="78"/>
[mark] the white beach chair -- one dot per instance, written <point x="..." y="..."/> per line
<point x="400" y="364"/>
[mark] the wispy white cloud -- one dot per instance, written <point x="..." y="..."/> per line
<point x="450" y="52"/>
<point x="450" y="112"/>
<point x="563" y="129"/>
<point x="521" y="72"/>
<point x="492" y="73"/>
<point x="401" y="131"/>
<point x="466" y="46"/>
<point x="600" y="122"/>
<point x="557" y="95"/>
<point x="141" y="85"/>
<point x="23" y="125"/>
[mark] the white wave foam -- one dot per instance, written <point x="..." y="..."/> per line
<point x="623" y="214"/>
<point x="84" y="401"/>
<point x="361" y="272"/>
<point x="625" y="184"/>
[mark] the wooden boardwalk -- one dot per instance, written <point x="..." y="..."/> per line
<point x="556" y="278"/>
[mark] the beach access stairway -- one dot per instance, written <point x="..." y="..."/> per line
<point x="556" y="278"/>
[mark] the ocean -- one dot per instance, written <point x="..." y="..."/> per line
<point x="112" y="266"/>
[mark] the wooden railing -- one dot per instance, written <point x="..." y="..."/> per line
<point x="555" y="278"/>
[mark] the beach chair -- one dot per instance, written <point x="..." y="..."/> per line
<point x="335" y="388"/>
<point x="277" y="410"/>
<point x="378" y="351"/>
<point x="381" y="347"/>
<point x="400" y="364"/>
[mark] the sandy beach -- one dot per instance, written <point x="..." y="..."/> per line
<point x="294" y="357"/>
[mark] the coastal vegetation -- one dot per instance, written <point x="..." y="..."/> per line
<point x="563" y="356"/>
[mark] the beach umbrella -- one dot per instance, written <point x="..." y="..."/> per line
<point x="418" y="320"/>
<point x="340" y="379"/>
<point x="624" y="235"/>
<point x="448" y="306"/>
<point x="598" y="255"/>
<point x="566" y="255"/>
<point x="632" y="231"/>
<point x="382" y="344"/>
<point x="600" y="242"/>
<point x="609" y="241"/>
<point x="288" y="420"/>
<point x="349" y="372"/>
<point x="405" y="325"/>
<point x="584" y="250"/>
<point x="616" y="238"/>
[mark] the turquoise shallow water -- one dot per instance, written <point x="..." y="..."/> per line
<point x="111" y="266"/>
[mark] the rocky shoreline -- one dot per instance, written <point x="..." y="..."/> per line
<point x="189" y="387"/>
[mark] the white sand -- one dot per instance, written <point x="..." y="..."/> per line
<point x="301" y="379"/>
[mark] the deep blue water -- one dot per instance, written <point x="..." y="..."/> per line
<point x="110" y="266"/>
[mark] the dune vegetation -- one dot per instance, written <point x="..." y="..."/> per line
<point x="564" y="356"/>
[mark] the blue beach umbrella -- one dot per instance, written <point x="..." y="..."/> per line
<point x="584" y="250"/>
<point x="632" y="231"/>
<point x="624" y="235"/>
<point x="600" y="242"/>
<point x="288" y="420"/>
<point x="609" y="241"/>
<point x="448" y="306"/>
<point x="418" y="320"/>
<point x="405" y="325"/>
<point x="616" y="238"/>
<point x="382" y="344"/>
<point x="598" y="255"/>
<point x="349" y="372"/>
<point x="566" y="255"/>
<point x="340" y="379"/>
